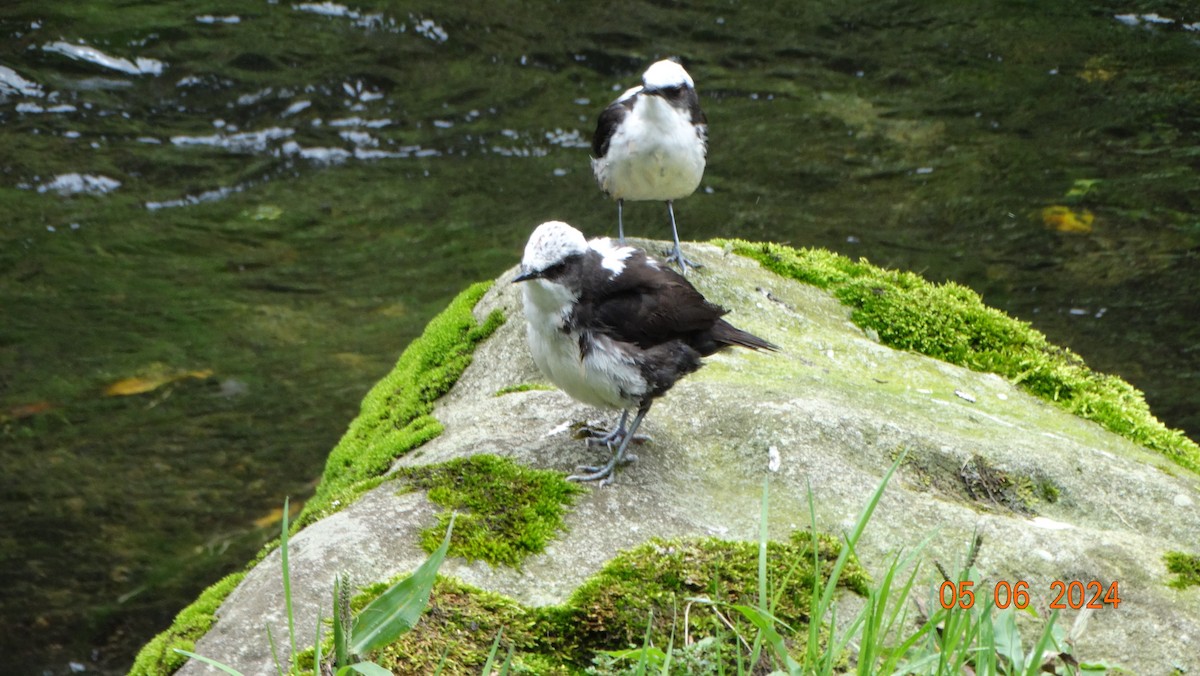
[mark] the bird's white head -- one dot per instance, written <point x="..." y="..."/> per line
<point x="665" y="74"/>
<point x="550" y="244"/>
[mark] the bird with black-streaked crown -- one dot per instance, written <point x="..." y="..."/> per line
<point x="614" y="328"/>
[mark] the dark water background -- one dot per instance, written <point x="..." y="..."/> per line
<point x="301" y="186"/>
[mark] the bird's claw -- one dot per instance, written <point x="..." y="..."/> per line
<point x="600" y="437"/>
<point x="605" y="473"/>
<point x="676" y="256"/>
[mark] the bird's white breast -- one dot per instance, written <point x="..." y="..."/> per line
<point x="655" y="154"/>
<point x="607" y="377"/>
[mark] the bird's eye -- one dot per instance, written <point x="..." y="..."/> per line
<point x="554" y="270"/>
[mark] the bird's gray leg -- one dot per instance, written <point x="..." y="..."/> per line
<point x="596" y="436"/>
<point x="604" y="473"/>
<point x="676" y="255"/>
<point x="614" y="435"/>
<point x="620" y="232"/>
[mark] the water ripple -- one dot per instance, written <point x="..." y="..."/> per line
<point x="139" y="66"/>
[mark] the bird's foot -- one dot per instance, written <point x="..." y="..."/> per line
<point x="597" y="436"/>
<point x="676" y="256"/>
<point x="605" y="473"/>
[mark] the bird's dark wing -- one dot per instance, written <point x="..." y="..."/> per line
<point x="648" y="304"/>
<point x="606" y="126"/>
<point x="699" y="119"/>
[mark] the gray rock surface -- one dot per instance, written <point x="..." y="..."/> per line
<point x="830" y="412"/>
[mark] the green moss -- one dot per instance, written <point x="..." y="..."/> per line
<point x="1186" y="568"/>
<point x="611" y="609"/>
<point x="657" y="579"/>
<point x="395" y="416"/>
<point x="951" y="322"/>
<point x="159" y="656"/>
<point x="523" y="387"/>
<point x="511" y="511"/>
<point x="461" y="623"/>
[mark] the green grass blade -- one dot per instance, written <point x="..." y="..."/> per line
<point x="287" y="579"/>
<point x="644" y="656"/>
<point x="665" y="670"/>
<point x="491" y="658"/>
<point x="210" y="662"/>
<point x="442" y="662"/>
<point x="274" y="651"/>
<point x="398" y="608"/>
<point x="317" y="646"/>
<point x="507" y="664"/>
<point x="765" y="623"/>
<point x="762" y="550"/>
<point x="1034" y="665"/>
<point x="341" y="652"/>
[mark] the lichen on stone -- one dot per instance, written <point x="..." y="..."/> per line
<point x="951" y="322"/>
<point x="506" y="512"/>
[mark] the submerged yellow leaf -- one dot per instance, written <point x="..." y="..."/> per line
<point x="1063" y="219"/>
<point x="276" y="515"/>
<point x="148" y="383"/>
<point x="272" y="517"/>
<point x="1097" y="75"/>
<point x="1096" y="69"/>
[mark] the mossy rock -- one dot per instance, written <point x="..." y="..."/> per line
<point x="951" y="322"/>
<point x="657" y="584"/>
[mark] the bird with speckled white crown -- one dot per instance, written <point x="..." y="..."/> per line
<point x="651" y="144"/>
<point x="614" y="328"/>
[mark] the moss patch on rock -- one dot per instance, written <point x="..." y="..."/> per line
<point x="1186" y="568"/>
<point x="506" y="511"/>
<point x="461" y="623"/>
<point x="951" y="322"/>
<point x="159" y="656"/>
<point x="653" y="583"/>
<point x="395" y="416"/>
<point x="612" y="609"/>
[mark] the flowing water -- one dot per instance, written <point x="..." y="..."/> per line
<point x="222" y="221"/>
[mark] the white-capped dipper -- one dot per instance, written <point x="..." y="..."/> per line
<point x="614" y="328"/>
<point x="651" y="143"/>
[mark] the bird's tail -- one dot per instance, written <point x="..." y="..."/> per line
<point x="728" y="334"/>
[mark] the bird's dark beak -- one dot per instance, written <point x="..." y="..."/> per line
<point x="525" y="275"/>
